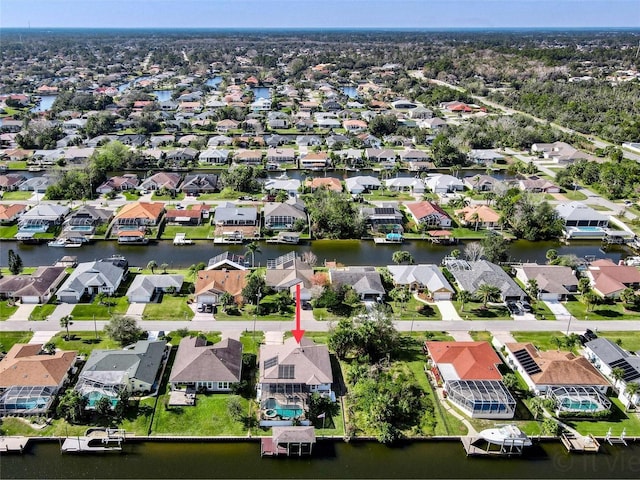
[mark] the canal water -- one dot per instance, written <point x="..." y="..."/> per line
<point x="348" y="252"/>
<point x="434" y="459"/>
<point x="45" y="104"/>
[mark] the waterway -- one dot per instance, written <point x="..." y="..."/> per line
<point x="348" y="252"/>
<point x="436" y="459"/>
<point x="45" y="104"/>
<point x="351" y="92"/>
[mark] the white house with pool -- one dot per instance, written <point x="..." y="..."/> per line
<point x="288" y="374"/>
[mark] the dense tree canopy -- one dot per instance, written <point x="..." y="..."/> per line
<point x="334" y="215"/>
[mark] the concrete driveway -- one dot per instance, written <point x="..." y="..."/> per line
<point x="447" y="310"/>
<point x="558" y="309"/>
<point x="22" y="313"/>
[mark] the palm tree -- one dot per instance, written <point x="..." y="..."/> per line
<point x="617" y="374"/>
<point x="631" y="389"/>
<point x="536" y="407"/>
<point x="551" y="255"/>
<point x="533" y="289"/>
<point x="402" y="256"/>
<point x="476" y="219"/>
<point x="487" y="293"/>
<point x="65" y="322"/>
<point x="164" y="267"/>
<point x="152" y="265"/>
<point x="463" y="297"/>
<point x="226" y="300"/>
<point x="253" y="248"/>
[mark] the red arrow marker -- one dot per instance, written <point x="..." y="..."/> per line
<point x="297" y="332"/>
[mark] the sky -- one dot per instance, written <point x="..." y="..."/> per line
<point x="318" y="13"/>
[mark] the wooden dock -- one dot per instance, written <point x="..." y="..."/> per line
<point x="474" y="450"/>
<point x="383" y="240"/>
<point x="13" y="444"/>
<point x="580" y="444"/>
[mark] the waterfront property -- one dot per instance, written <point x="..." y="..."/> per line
<point x="543" y="371"/>
<point x="287" y="271"/>
<point x="227" y="261"/>
<point x="577" y="214"/>
<point x="282" y="216"/>
<point x="206" y="368"/>
<point x="422" y="278"/>
<point x="365" y="281"/>
<point x="607" y="356"/>
<point x="429" y="214"/>
<point x="108" y="373"/>
<point x="30" y="378"/>
<point x="91" y="278"/>
<point x="38" y="287"/>
<point x="289" y="373"/>
<point x="289" y="441"/>
<point x="470" y="378"/>
<point x="150" y="288"/>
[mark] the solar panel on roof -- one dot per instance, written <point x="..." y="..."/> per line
<point x="630" y="373"/>
<point x="286" y="371"/>
<point x="384" y="211"/>
<point x="528" y="363"/>
<point x="271" y="362"/>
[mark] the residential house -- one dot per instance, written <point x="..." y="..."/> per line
<point x="405" y="184"/>
<point x="537" y="184"/>
<point x="78" y="154"/>
<point x="199" y="183"/>
<point x="180" y="156"/>
<point x="288" y="271"/>
<point x="281" y="155"/>
<point x="560" y="152"/>
<point x="544" y="371"/>
<point x="150" y="288"/>
<point x="404" y="104"/>
<point x="555" y="282"/>
<point x="422" y="278"/>
<point x="362" y="184"/>
<point x="354" y="126"/>
<point x="212" y="284"/>
<point x="315" y="161"/>
<point x="365" y="281"/>
<point x="421" y="113"/>
<point x="470" y="373"/>
<point x="91" y="278"/>
<point x="11" y="181"/>
<point x="139" y="214"/>
<point x="290" y="372"/>
<point x="330" y="183"/>
<point x="412" y="155"/>
<point x="444" y="184"/>
<point x="481" y="183"/>
<point x="278" y="120"/>
<point x="227" y="125"/>
<point x="42" y="216"/>
<point x="470" y="275"/>
<point x="119" y="183"/>
<point x="606" y="356"/>
<point x="485" y="156"/>
<point x="218" y="140"/>
<point x="31" y="379"/>
<point x="384" y="214"/>
<point x="231" y="215"/>
<point x="250" y="157"/>
<point x="282" y="216"/>
<point x="162" y="180"/>
<point x="377" y="155"/>
<point x="9" y="213"/>
<point x="87" y="216"/>
<point x="108" y="373"/>
<point x="609" y="280"/>
<point x="478" y="216"/>
<point x="227" y="261"/>
<point x="183" y="217"/>
<point x="38" y="287"/>
<point x="161" y="140"/>
<point x="289" y="185"/>
<point x="308" y="141"/>
<point x="577" y="214"/>
<point x="429" y="214"/>
<point x="214" y="156"/>
<point x="206" y="368"/>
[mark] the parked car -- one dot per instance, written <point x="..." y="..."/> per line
<point x="513" y="308"/>
<point x="525" y="306"/>
<point x="589" y="335"/>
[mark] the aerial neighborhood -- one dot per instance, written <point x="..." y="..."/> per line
<point x="280" y="243"/>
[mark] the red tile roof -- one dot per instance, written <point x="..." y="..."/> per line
<point x="424" y="209"/>
<point x="471" y="360"/>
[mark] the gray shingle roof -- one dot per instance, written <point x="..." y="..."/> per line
<point x="311" y="362"/>
<point x="198" y="362"/>
<point x="364" y="280"/>
<point x="484" y="272"/>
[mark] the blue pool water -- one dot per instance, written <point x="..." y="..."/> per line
<point x="34" y="228"/>
<point x="578" y="406"/>
<point x="93" y="397"/>
<point x="287" y="411"/>
<point x="81" y="228"/>
<point x="589" y="229"/>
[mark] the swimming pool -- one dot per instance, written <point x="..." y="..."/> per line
<point x="283" y="411"/>
<point x="579" y="405"/>
<point x="589" y="229"/>
<point x="93" y="397"/>
<point x="81" y="228"/>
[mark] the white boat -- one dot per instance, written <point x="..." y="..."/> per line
<point x="506" y="435"/>
<point x="95" y="440"/>
<point x="60" y="242"/>
<point x="632" y="261"/>
<point x="180" y="239"/>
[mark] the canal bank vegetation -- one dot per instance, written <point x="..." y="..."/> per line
<point x="388" y="394"/>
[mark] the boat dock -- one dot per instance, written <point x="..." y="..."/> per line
<point x="383" y="240"/>
<point x="616" y="440"/>
<point x="181" y="239"/>
<point x="13" y="444"/>
<point x="473" y="449"/>
<point x="95" y="440"/>
<point x="578" y="443"/>
<point x="502" y="441"/>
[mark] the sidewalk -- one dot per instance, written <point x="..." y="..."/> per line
<point x="22" y="314"/>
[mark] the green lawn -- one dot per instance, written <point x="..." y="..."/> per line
<point x="17" y="165"/>
<point x="194" y="233"/>
<point x="174" y="337"/>
<point x="4" y="271"/>
<point x="58" y="428"/>
<point x="251" y="341"/>
<point x="8" y="231"/>
<point x="415" y="310"/>
<point x="9" y="339"/>
<point x="41" y="312"/>
<point x="171" y="308"/>
<point x="475" y="311"/>
<point x="7" y="310"/>
<point x="615" y="311"/>
<point x="618" y="421"/>
<point x="630" y="340"/>
<point x="84" y="342"/>
<point x="246" y="314"/>
<point x="17" y="195"/>
<point x="131" y="196"/>
<point x="481" y="335"/>
<point x="542" y="340"/>
<point x="225" y="194"/>
<point x="89" y="311"/>
<point x="468" y="233"/>
<point x="541" y="311"/>
<point x="168" y="198"/>
<point x="377" y="195"/>
<point x="574" y="195"/>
